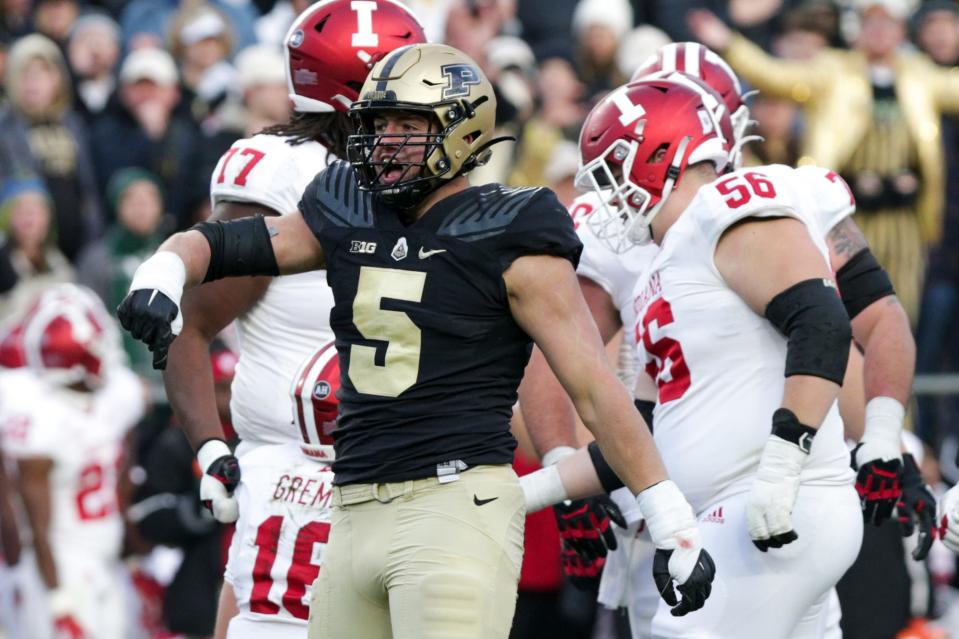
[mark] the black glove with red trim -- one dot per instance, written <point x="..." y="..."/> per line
<point x="917" y="505"/>
<point x="587" y="535"/>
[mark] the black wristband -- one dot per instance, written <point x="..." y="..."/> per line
<point x="609" y="479"/>
<point x="786" y="426"/>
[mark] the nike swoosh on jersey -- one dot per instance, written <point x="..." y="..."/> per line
<point x="483" y="502"/>
<point x="423" y="254"/>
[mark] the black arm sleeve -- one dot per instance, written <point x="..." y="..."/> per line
<point x="862" y="281"/>
<point x="814" y="321"/>
<point x="238" y="247"/>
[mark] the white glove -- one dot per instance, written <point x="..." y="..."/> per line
<point x="221" y="475"/>
<point x="949" y="516"/>
<point x="679" y="547"/>
<point x="773" y="494"/>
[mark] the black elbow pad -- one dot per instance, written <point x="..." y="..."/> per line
<point x="862" y="281"/>
<point x="238" y="247"/>
<point x="811" y="316"/>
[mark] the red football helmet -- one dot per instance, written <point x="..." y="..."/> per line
<point x="333" y="44"/>
<point x="697" y="61"/>
<point x="635" y="145"/>
<point x="66" y="336"/>
<point x="315" y="406"/>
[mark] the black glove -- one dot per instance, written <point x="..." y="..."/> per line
<point x="695" y="590"/>
<point x="148" y="315"/>
<point x="917" y="504"/>
<point x="584" y="527"/>
<point x="879" y="488"/>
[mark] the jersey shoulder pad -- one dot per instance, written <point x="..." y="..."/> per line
<point x="832" y="198"/>
<point x="334" y="199"/>
<point x="761" y="192"/>
<point x="513" y="222"/>
<point x="265" y="170"/>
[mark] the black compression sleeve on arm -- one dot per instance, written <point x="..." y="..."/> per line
<point x="238" y="247"/>
<point x="862" y="281"/>
<point x="814" y="321"/>
<point x="609" y="479"/>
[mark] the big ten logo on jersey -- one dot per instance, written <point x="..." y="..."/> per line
<point x="241" y="169"/>
<point x="665" y="362"/>
<point x="358" y="246"/>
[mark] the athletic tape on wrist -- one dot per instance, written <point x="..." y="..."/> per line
<point x="211" y="451"/>
<point x="163" y="271"/>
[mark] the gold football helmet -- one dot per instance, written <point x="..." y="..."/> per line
<point x="449" y="89"/>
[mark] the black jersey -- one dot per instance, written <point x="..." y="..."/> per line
<point x="430" y="355"/>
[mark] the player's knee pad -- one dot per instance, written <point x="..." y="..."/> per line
<point x="811" y="316"/>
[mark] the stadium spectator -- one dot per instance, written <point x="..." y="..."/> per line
<point x="873" y="115"/>
<point x="135" y="197"/>
<point x="93" y="53"/>
<point x="55" y="19"/>
<point x="561" y="109"/>
<point x="937" y="33"/>
<point x="201" y="42"/>
<point x="25" y="211"/>
<point x="40" y="124"/>
<point x="156" y="135"/>
<point x="598" y="28"/>
<point x="146" y="23"/>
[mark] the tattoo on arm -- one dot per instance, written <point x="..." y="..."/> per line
<point x="845" y="239"/>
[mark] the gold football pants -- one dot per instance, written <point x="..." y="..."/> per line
<point x="422" y="560"/>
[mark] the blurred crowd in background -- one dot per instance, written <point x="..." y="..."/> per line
<point x="113" y="115"/>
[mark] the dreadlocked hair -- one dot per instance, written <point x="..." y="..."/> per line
<point x="329" y="129"/>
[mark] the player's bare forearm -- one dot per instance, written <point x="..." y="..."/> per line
<point x="188" y="377"/>
<point x="852" y="397"/>
<point x="9" y="534"/>
<point x="547" y="411"/>
<point x="809" y="398"/>
<point x="882" y="329"/>
<point x="192" y="248"/>
<point x="35" y="492"/>
<point x="547" y="302"/>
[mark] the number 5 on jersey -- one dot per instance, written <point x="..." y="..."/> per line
<point x="401" y="364"/>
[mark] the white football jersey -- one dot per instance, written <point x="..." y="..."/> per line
<point x="277" y="548"/>
<point x="717" y="364"/>
<point x="293" y="316"/>
<point x="615" y="273"/>
<point x="83" y="434"/>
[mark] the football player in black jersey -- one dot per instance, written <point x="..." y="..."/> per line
<point x="440" y="289"/>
